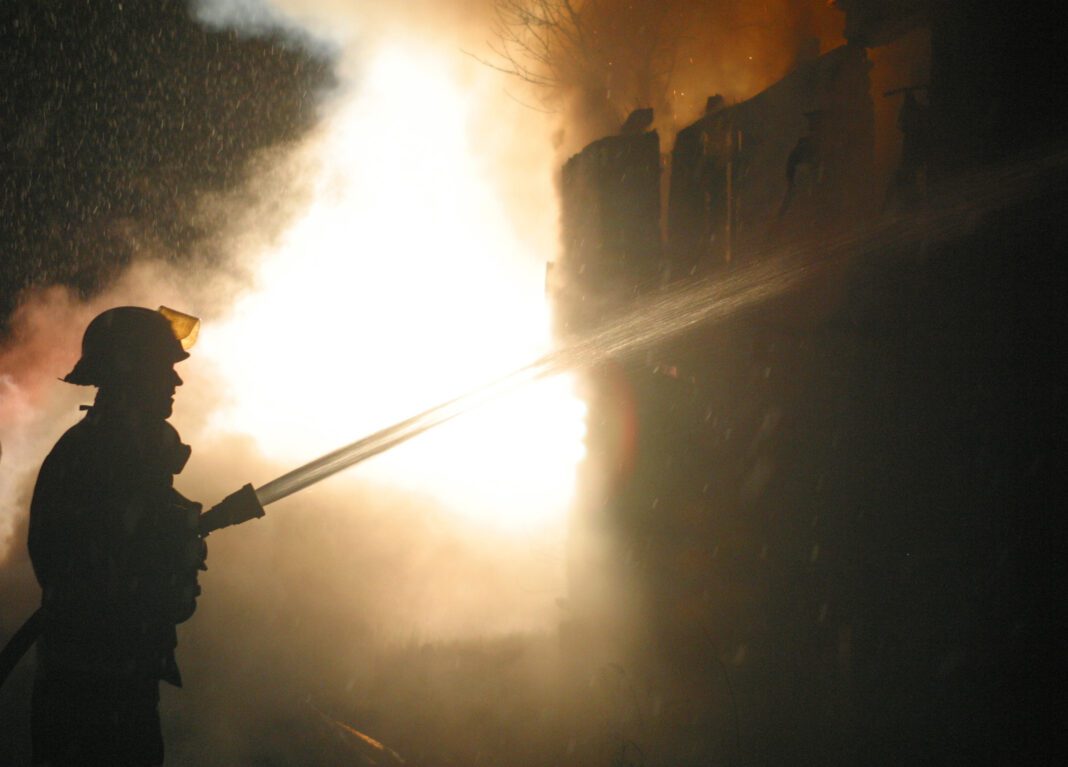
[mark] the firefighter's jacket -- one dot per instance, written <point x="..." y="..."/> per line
<point x="115" y="549"/>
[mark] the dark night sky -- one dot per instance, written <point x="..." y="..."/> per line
<point x="116" y="115"/>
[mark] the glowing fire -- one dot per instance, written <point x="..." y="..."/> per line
<point x="401" y="285"/>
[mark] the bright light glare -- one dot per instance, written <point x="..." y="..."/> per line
<point x="402" y="285"/>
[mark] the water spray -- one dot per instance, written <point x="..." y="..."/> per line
<point x="654" y="319"/>
<point x="662" y="315"/>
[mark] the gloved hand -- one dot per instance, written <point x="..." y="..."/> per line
<point x="190" y="552"/>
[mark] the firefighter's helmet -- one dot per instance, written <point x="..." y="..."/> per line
<point x="119" y="341"/>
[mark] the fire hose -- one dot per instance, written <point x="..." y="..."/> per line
<point x="247" y="503"/>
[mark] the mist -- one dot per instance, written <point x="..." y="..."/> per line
<point x="327" y="608"/>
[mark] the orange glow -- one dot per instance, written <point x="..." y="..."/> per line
<point x="403" y="283"/>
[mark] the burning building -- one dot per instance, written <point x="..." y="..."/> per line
<point x="819" y="513"/>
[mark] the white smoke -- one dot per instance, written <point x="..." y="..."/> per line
<point x="299" y="22"/>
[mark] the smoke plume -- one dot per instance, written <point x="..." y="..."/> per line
<point x="596" y="61"/>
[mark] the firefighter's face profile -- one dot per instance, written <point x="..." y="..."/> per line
<point x="151" y="388"/>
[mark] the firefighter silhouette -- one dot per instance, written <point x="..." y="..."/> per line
<point x="908" y="184"/>
<point x="807" y="154"/>
<point x="115" y="548"/>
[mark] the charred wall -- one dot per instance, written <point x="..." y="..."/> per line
<point x="610" y="209"/>
<point x="796" y="157"/>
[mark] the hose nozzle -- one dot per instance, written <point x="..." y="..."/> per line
<point x="232" y="510"/>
